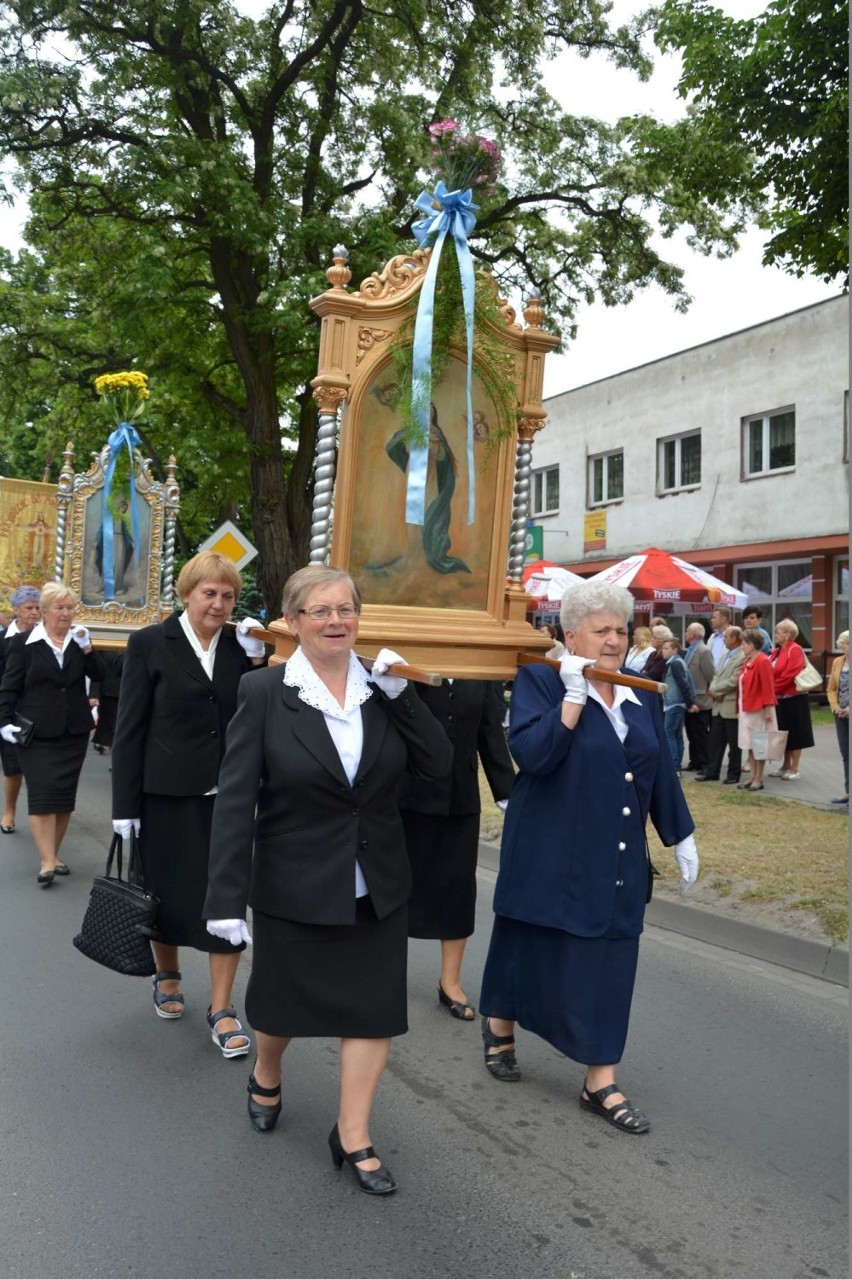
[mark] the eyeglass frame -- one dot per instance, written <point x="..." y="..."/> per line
<point x="328" y="609"/>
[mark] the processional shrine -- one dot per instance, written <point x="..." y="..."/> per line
<point x="115" y="544"/>
<point x="446" y="592"/>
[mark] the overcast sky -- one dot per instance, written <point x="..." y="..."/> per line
<point x="727" y="295"/>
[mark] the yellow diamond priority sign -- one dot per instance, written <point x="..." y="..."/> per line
<point x="229" y="541"/>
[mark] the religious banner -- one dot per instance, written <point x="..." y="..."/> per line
<point x="27" y="534"/>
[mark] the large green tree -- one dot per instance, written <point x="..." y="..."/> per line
<point x="779" y="85"/>
<point x="190" y="169"/>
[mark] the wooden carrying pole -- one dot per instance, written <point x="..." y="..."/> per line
<point x="401" y="671"/>
<point x="596" y="672"/>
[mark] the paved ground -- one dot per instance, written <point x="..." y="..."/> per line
<point x="127" y="1152"/>
<point x="821" y="772"/>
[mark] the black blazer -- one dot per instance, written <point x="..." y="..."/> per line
<point x="170" y="731"/>
<point x="471" y="714"/>
<point x="54" y="697"/>
<point x="283" y="794"/>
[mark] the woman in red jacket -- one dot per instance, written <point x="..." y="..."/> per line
<point x="794" y="710"/>
<point x="756" y="702"/>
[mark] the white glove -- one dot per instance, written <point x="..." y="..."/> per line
<point x="81" y="636"/>
<point x="571" y="673"/>
<point x="250" y="644"/>
<point x="502" y="804"/>
<point x="233" y="930"/>
<point x="686" y="856"/>
<point x="124" y="826"/>
<point x="391" y="685"/>
<point x="9" y="733"/>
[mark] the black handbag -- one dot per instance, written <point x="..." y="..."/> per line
<point x="27" y="728"/>
<point x="120" y="918"/>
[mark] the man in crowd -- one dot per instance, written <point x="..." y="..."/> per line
<point x="752" y="618"/>
<point x="720" y="619"/>
<point x="723" y="723"/>
<point x="699" y="663"/>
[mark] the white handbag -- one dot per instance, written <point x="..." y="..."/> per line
<point x="808" y="678"/>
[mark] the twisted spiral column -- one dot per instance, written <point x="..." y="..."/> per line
<point x="324" y="470"/>
<point x="167" y="595"/>
<point x="64" y="492"/>
<point x="520" y="508"/>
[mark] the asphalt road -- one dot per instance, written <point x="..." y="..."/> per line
<point x="126" y="1150"/>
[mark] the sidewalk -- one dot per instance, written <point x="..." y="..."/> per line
<point x="821" y="774"/>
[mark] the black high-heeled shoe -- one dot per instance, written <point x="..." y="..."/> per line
<point x="263" y="1118"/>
<point x="378" y="1182"/>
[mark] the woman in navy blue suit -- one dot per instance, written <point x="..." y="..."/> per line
<point x="594" y="765"/>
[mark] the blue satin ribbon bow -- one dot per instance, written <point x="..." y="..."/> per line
<point x="456" y="216"/>
<point x="123" y="435"/>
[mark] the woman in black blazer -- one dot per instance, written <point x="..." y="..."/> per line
<point x="26" y="606"/>
<point x="45" y="681"/>
<point x="441" y="820"/>
<point x="307" y="832"/>
<point x="178" y="692"/>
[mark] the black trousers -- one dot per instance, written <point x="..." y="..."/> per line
<point x="697" y="727"/>
<point x="723" y="732"/>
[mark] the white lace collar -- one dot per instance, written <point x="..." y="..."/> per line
<point x="312" y="691"/>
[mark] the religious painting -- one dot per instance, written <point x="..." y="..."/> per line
<point x="128" y="584"/>
<point x="445" y="562"/>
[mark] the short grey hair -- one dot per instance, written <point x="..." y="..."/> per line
<point x="787" y="624"/>
<point x="593" y="597"/>
<point x="661" y="633"/>
<point x="695" y="628"/>
<point x="843" y="638"/>
<point x="299" y="585"/>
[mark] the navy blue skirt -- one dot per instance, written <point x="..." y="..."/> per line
<point x="575" y="992"/>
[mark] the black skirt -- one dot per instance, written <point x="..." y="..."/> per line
<point x="52" y="767"/>
<point x="175" y="845"/>
<point x="575" y="992"/>
<point x="443" y="853"/>
<point x="794" y="715"/>
<point x="311" y="980"/>
<point x="9" y="759"/>
<point x="105" y="727"/>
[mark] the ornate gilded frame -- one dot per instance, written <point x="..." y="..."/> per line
<point x="113" y="620"/>
<point x="358" y="331"/>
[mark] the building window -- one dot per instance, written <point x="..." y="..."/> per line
<point x="606" y="478"/>
<point x="783" y="590"/>
<point x="841" y="596"/>
<point x="846" y="426"/>
<point x="545" y="495"/>
<point x="679" y="462"/>
<point x="769" y="442"/>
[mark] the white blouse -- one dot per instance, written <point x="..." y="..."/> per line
<point x="344" y="722"/>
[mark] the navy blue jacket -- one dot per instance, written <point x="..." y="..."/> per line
<point x="574" y="855"/>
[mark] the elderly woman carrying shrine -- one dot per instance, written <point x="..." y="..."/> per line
<point x="594" y="765"/>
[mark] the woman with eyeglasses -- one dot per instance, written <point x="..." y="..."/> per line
<point x="178" y="692"/>
<point x="307" y="832"/>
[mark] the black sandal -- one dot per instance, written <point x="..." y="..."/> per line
<point x="504" y="1064"/>
<point x="456" y="1007"/>
<point x="623" y="1115"/>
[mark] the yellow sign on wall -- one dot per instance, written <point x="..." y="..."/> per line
<point x="594" y="531"/>
<point x="27" y="534"/>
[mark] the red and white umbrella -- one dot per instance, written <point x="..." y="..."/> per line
<point x="654" y="577"/>
<point x="546" y="581"/>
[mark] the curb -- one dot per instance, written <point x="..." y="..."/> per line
<point x="815" y="959"/>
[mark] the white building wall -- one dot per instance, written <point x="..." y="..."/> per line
<point x="798" y="360"/>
